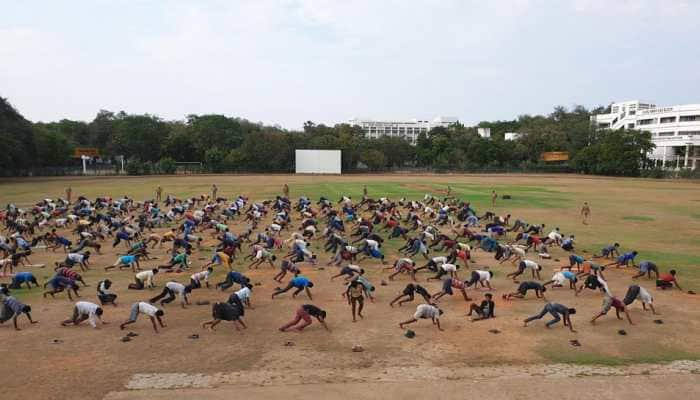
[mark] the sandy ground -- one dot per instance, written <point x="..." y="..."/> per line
<point x="658" y="387"/>
<point x="91" y="363"/>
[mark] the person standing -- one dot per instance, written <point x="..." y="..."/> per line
<point x="356" y="298"/>
<point x="69" y="194"/>
<point x="585" y="212"/>
<point x="494" y="196"/>
<point x="285" y="190"/>
<point x="159" y="194"/>
<point x="214" y="191"/>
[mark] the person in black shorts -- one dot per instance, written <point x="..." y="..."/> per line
<point x="646" y="268"/>
<point x="592" y="282"/>
<point x="225" y="312"/>
<point x="409" y="291"/>
<point x="523" y="289"/>
<point x="485" y="310"/>
<point x="478" y="277"/>
<point x="287" y="266"/>
<point x="350" y="271"/>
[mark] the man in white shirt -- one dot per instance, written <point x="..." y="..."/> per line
<point x="79" y="259"/>
<point x="444" y="269"/>
<point x="196" y="278"/>
<point x="554" y="237"/>
<point x="171" y="290"/>
<point x="84" y="310"/>
<point x="144" y="279"/>
<point x="636" y="292"/>
<point x="151" y="311"/>
<point x="425" y="311"/>
<point x="433" y="264"/>
<point x="525" y="264"/>
<point x="481" y="277"/>
<point x="242" y="297"/>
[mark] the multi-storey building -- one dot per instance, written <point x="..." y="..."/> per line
<point x="407" y="129"/>
<point x="675" y="130"/>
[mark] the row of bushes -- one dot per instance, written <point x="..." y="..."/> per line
<point x="166" y="166"/>
<point x="659" y="173"/>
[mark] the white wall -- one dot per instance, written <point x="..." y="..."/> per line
<point x="318" y="161"/>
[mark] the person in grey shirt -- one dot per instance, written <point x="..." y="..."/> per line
<point x="558" y="311"/>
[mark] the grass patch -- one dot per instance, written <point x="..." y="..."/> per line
<point x="637" y="218"/>
<point x="582" y="357"/>
<point x="478" y="195"/>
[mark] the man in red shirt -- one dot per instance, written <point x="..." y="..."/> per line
<point x="667" y="281"/>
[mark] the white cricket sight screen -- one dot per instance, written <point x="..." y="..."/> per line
<point x="318" y="161"/>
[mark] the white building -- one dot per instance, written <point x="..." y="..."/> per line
<point x="484" y="132"/>
<point x="407" y="129"/>
<point x="513" y="135"/>
<point x="675" y="130"/>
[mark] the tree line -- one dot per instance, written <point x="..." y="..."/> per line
<point x="226" y="144"/>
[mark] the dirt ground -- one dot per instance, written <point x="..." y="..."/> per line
<point x="520" y="386"/>
<point x="90" y="363"/>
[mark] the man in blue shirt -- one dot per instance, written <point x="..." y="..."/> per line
<point x="231" y="278"/>
<point x="300" y="283"/>
<point x="624" y="260"/>
<point x="610" y="251"/>
<point x="646" y="267"/>
<point x="12" y="308"/>
<point x="23" y="277"/>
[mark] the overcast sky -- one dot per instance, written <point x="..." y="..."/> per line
<point x="288" y="61"/>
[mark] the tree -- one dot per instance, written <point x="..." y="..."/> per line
<point x="214" y="160"/>
<point x="214" y="130"/>
<point x="53" y="148"/>
<point x="140" y="136"/>
<point x="267" y="151"/>
<point x="619" y="153"/>
<point x="167" y="166"/>
<point x="180" y="145"/>
<point x="17" y="150"/>
<point x="374" y="159"/>
<point x="397" y="151"/>
<point x="102" y="132"/>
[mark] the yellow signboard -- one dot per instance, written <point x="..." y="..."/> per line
<point x="86" y="151"/>
<point x="549" y="156"/>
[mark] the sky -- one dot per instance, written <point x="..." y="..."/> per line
<point x="285" y="62"/>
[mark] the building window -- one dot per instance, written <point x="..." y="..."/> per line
<point x="646" y="121"/>
<point x="667" y="120"/>
<point x="689" y="118"/>
<point x="630" y="126"/>
<point x="666" y="133"/>
<point x="689" y="133"/>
